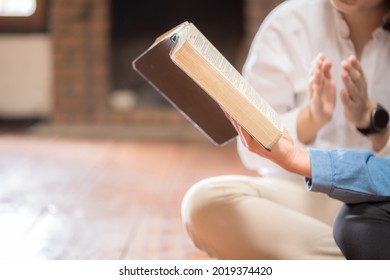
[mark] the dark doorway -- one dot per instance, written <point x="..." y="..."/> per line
<point x="135" y="25"/>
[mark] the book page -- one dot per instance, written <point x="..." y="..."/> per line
<point x="217" y="60"/>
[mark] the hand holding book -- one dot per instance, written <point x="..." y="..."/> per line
<point x="284" y="153"/>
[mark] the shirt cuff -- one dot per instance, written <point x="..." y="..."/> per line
<point x="321" y="171"/>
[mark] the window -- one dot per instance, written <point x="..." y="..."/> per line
<point x="20" y="8"/>
<point x="22" y="15"/>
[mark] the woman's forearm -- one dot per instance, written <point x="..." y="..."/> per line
<point x="306" y="127"/>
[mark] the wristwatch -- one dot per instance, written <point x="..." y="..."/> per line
<point x="378" y="121"/>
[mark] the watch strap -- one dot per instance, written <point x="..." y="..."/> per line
<point x="372" y="128"/>
<point x="365" y="131"/>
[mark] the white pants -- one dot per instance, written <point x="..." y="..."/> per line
<point x="241" y="217"/>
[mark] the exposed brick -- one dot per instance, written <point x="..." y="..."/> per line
<point x="80" y="30"/>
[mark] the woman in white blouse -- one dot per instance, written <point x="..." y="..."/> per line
<point x="324" y="65"/>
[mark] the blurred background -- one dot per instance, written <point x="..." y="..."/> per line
<point x="93" y="162"/>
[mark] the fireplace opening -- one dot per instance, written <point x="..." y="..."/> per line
<point x="135" y="25"/>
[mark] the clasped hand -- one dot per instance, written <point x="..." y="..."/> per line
<point x="354" y="97"/>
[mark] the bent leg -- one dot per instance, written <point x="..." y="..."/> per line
<point x="239" y="217"/>
<point x="362" y="231"/>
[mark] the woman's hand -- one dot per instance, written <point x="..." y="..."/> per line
<point x="357" y="105"/>
<point x="284" y="152"/>
<point x="322" y="93"/>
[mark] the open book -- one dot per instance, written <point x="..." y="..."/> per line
<point x="199" y="81"/>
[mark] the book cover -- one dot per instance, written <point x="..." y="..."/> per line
<point x="157" y="68"/>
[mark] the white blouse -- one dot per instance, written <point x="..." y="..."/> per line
<point x="280" y="59"/>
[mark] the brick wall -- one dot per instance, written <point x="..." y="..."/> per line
<point x="80" y="32"/>
<point x="80" y="44"/>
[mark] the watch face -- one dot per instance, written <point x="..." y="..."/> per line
<point x="380" y="119"/>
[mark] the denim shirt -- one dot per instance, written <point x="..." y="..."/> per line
<point x="352" y="176"/>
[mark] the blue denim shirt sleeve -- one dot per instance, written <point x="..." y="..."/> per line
<point x="352" y="176"/>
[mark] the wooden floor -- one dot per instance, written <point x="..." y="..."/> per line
<point x="67" y="198"/>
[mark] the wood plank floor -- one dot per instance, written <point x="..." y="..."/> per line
<point x="68" y="198"/>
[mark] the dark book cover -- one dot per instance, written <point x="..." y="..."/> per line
<point x="157" y="68"/>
